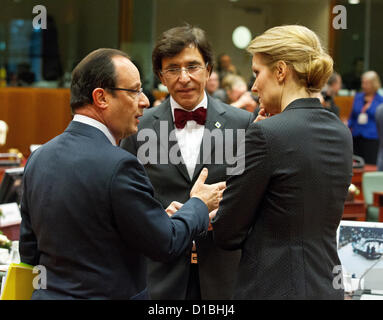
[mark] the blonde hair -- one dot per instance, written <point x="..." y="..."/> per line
<point x="231" y="80"/>
<point x="300" y="49"/>
<point x="374" y="78"/>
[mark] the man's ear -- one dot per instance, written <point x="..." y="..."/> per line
<point x="99" y="98"/>
<point x="209" y="69"/>
<point x="159" y="75"/>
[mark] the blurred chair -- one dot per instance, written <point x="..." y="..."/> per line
<point x="9" y="160"/>
<point x="371" y="182"/>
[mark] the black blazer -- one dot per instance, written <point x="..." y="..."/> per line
<point x="285" y="209"/>
<point x="217" y="267"/>
<point x="89" y="217"/>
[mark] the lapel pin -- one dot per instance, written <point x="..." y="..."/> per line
<point x="217" y="125"/>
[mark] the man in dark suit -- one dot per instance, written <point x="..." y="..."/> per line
<point x="187" y="132"/>
<point x="88" y="212"/>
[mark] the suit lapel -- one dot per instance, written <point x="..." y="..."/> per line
<point x="164" y="127"/>
<point x="214" y="120"/>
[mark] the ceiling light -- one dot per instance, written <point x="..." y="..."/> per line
<point x="241" y="37"/>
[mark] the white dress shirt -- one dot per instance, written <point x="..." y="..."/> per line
<point x="96" y="124"/>
<point x="190" y="137"/>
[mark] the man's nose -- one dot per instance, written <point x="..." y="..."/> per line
<point x="144" y="101"/>
<point x="184" y="75"/>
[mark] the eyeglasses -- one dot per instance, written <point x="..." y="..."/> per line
<point x="190" y="70"/>
<point x="136" y="91"/>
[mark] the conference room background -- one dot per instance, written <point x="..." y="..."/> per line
<point x="77" y="27"/>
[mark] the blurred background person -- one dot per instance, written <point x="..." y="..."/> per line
<point x="225" y="66"/>
<point x="3" y="132"/>
<point x="161" y="94"/>
<point x="362" y="119"/>
<point x="379" y="126"/>
<point x="334" y="84"/>
<point x="212" y="84"/>
<point x="234" y="92"/>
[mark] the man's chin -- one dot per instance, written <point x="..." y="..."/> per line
<point x="188" y="104"/>
<point x="130" y="133"/>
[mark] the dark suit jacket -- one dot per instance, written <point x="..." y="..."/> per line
<point x="89" y="217"/>
<point x="285" y="209"/>
<point x="217" y="268"/>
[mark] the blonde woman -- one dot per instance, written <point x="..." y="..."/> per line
<point x="362" y="119"/>
<point x="284" y="210"/>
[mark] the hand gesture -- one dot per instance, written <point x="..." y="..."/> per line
<point x="173" y="208"/>
<point x="211" y="194"/>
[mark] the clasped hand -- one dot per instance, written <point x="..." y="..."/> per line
<point x="210" y="194"/>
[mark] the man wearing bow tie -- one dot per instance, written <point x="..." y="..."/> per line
<point x="183" y="60"/>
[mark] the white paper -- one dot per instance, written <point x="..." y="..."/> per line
<point x="371" y="297"/>
<point x="11" y="214"/>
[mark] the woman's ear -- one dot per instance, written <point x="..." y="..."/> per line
<point x="281" y="70"/>
<point x="99" y="98"/>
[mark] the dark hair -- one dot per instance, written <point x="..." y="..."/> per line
<point x="174" y="40"/>
<point x="96" y="70"/>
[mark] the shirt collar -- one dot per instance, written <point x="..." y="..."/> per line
<point x="96" y="124"/>
<point x="175" y="105"/>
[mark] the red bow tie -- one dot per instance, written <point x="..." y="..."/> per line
<point x="182" y="116"/>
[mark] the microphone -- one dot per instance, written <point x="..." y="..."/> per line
<point x="367" y="271"/>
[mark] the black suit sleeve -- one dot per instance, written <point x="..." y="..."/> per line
<point x="144" y="224"/>
<point x="244" y="193"/>
<point x="29" y="252"/>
